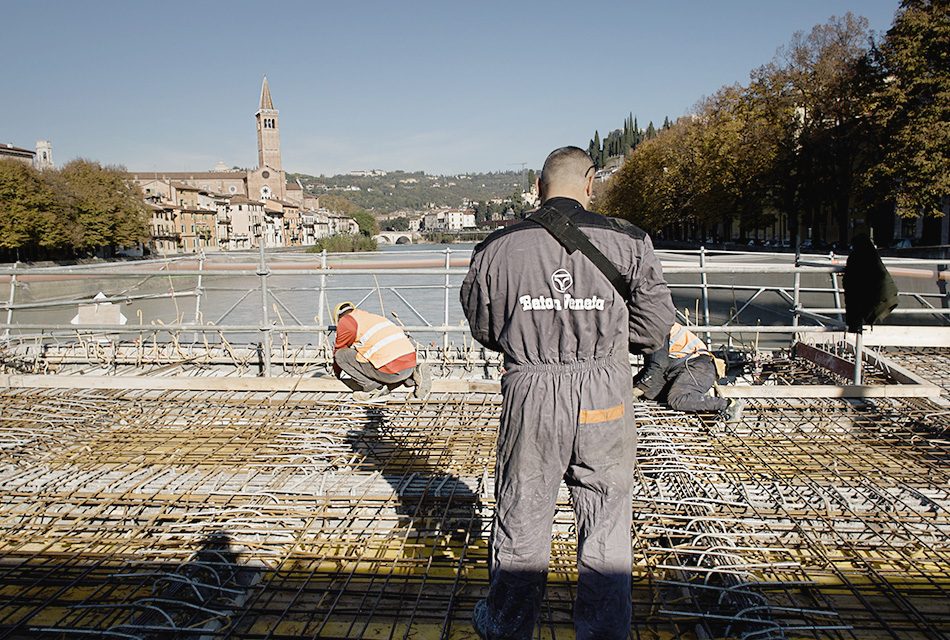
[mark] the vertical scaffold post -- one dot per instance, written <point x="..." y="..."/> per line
<point x="322" y="300"/>
<point x="445" y="317"/>
<point x="10" y="300"/>
<point x="834" y="283"/>
<point x="198" y="291"/>
<point x="942" y="276"/>
<point x="796" y="299"/>
<point x="263" y="272"/>
<point x="858" y="356"/>
<point x="705" y="282"/>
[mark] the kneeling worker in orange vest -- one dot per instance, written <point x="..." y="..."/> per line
<point x="684" y="371"/>
<point x="375" y="354"/>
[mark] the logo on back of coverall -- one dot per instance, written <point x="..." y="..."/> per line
<point x="562" y="280"/>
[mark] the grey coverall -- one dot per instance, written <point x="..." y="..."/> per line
<point x="684" y="382"/>
<point x="565" y="334"/>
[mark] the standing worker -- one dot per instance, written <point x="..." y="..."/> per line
<point x="685" y="371"/>
<point x="375" y="354"/>
<point x="563" y="295"/>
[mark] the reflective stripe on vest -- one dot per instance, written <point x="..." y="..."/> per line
<point x="379" y="341"/>
<point x="684" y="343"/>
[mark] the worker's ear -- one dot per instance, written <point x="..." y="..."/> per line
<point x="537" y="187"/>
<point x="589" y="189"/>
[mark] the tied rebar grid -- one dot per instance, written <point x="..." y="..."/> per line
<point x="932" y="364"/>
<point x="151" y="356"/>
<point x="249" y="516"/>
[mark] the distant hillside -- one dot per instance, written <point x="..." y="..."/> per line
<point x="401" y="190"/>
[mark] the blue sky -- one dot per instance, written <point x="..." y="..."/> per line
<point x="444" y="87"/>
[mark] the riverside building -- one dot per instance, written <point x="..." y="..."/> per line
<point x="231" y="209"/>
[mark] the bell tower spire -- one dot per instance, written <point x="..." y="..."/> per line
<point x="268" y="131"/>
<point x="266" y="101"/>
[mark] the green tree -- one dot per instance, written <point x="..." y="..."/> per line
<point x="912" y="108"/>
<point x="32" y="213"/>
<point x="820" y="73"/>
<point x="109" y="209"/>
<point x="650" y="132"/>
<point x="367" y="223"/>
<point x="339" y="204"/>
<point x="400" y="223"/>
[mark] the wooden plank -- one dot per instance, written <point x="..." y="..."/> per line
<point x="887" y="336"/>
<point x="220" y="383"/>
<point x="831" y="391"/>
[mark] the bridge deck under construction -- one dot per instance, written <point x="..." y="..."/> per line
<point x="143" y="513"/>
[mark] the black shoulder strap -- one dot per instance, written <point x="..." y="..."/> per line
<point x="573" y="239"/>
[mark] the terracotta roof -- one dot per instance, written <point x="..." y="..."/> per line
<point x="293" y="186"/>
<point x="183" y="186"/>
<point x="186" y="175"/>
<point x="242" y="199"/>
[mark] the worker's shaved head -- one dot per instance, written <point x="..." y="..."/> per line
<point x="568" y="172"/>
<point x="566" y="167"/>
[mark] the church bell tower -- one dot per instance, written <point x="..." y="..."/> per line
<point x="268" y="131"/>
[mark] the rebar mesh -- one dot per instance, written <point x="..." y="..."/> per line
<point x="237" y="515"/>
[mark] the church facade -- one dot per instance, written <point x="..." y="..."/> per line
<point x="231" y="209"/>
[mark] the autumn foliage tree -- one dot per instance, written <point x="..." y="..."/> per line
<point x="912" y="107"/>
<point x="109" y="209"/>
<point x="31" y="211"/>
<point x="77" y="210"/>
<point x="833" y="132"/>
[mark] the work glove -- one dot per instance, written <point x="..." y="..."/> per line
<point x="650" y="380"/>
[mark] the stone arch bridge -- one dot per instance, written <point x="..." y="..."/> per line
<point x="397" y="237"/>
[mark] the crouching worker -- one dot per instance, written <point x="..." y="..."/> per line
<point x="684" y="372"/>
<point x="375" y="355"/>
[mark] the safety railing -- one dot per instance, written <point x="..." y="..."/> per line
<point x="724" y="288"/>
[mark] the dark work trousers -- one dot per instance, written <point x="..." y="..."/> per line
<point x="570" y="422"/>
<point x="364" y="375"/>
<point x="689" y="379"/>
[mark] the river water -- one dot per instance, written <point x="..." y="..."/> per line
<point x="416" y="300"/>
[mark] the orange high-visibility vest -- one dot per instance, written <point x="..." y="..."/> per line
<point x="379" y="341"/>
<point x="684" y="343"/>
